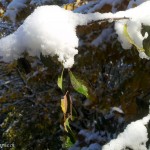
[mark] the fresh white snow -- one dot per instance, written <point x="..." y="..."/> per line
<point x="138" y="16"/>
<point x="134" y="136"/>
<point x="49" y="30"/>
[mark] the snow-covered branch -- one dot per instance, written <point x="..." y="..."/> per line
<point x="51" y="30"/>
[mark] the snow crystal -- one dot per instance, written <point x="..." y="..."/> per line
<point x="134" y="137"/>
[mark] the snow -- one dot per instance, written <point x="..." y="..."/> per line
<point x="133" y="3"/>
<point x="49" y="30"/>
<point x="117" y="109"/>
<point x="134" y="136"/>
<point x="14" y="7"/>
<point x="134" y="26"/>
<point x="104" y="36"/>
<point x="134" y="23"/>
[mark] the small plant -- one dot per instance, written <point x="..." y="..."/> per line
<point x="67" y="104"/>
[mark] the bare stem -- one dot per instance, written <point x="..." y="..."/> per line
<point x="108" y="19"/>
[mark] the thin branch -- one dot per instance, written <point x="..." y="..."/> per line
<point x="71" y="107"/>
<point x="108" y="20"/>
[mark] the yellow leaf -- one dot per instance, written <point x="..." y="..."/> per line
<point x="130" y="40"/>
<point x="64" y="104"/>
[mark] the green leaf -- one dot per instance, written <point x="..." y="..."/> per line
<point x="71" y="137"/>
<point x="67" y="126"/>
<point x="68" y="143"/>
<point x="78" y="85"/>
<point x="130" y="40"/>
<point x="60" y="80"/>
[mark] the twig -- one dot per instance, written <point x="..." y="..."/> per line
<point x="71" y="107"/>
<point x="108" y="19"/>
<point x="24" y="81"/>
